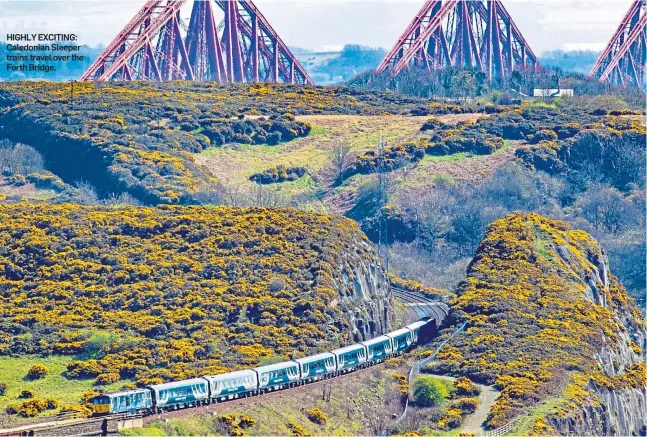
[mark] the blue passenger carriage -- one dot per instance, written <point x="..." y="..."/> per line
<point x="350" y="357"/>
<point x="180" y="394"/>
<point x="418" y="329"/>
<point x="402" y="340"/>
<point x="378" y="348"/>
<point x="131" y="401"/>
<point x="277" y="376"/>
<point x="232" y="385"/>
<point x="317" y="366"/>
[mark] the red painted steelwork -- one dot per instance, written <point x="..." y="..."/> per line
<point x="624" y="60"/>
<point x="158" y="45"/>
<point x="461" y="33"/>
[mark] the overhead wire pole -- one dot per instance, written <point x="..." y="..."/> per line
<point x="383" y="194"/>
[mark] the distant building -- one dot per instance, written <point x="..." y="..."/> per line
<point x="544" y="92"/>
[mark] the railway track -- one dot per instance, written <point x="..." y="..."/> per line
<point x="424" y="306"/>
<point x="255" y="399"/>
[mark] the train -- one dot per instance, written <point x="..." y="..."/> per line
<point x="206" y="390"/>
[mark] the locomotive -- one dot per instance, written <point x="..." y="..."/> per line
<point x="251" y="382"/>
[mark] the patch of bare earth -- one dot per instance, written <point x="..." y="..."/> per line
<point x="28" y="191"/>
<point x="640" y="118"/>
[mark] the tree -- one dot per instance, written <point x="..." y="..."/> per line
<point x="604" y="207"/>
<point x="429" y="392"/>
<point x="340" y="160"/>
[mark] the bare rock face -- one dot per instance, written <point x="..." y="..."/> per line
<point x="365" y="297"/>
<point x="617" y="401"/>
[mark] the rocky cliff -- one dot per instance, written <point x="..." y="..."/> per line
<point x="548" y="322"/>
<point x="616" y="399"/>
<point x="365" y="296"/>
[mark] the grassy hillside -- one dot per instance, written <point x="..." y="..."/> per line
<point x="541" y="305"/>
<point x="55" y="385"/>
<point x="151" y="294"/>
<point x="138" y="138"/>
<point x="449" y="169"/>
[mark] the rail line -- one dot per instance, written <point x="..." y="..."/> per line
<point x="424" y="306"/>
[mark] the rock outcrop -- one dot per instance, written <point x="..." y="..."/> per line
<point x="549" y="322"/>
<point x="617" y="398"/>
<point x="365" y="297"/>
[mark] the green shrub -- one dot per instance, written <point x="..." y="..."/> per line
<point x="433" y="124"/>
<point x="26" y="394"/>
<point x="3" y="388"/>
<point x="542" y="135"/>
<point x="278" y="174"/>
<point x="429" y="391"/>
<point x="12" y="409"/>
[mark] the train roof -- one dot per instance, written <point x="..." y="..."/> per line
<point x="122" y="393"/>
<point x="376" y="340"/>
<point x="276" y="366"/>
<point x="352" y="347"/>
<point x="316" y="357"/>
<point x="176" y="384"/>
<point x="398" y="332"/>
<point x="229" y="375"/>
<point x="418" y="324"/>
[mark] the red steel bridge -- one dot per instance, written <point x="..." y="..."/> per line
<point x="623" y="60"/>
<point x="157" y="44"/>
<point x="461" y="33"/>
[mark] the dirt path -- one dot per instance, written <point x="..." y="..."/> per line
<point x="487" y="398"/>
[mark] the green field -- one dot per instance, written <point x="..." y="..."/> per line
<point x="53" y="386"/>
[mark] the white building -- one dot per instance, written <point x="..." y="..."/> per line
<point x="544" y="92"/>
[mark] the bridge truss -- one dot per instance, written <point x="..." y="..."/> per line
<point x="158" y="44"/>
<point x="461" y="33"/>
<point x="624" y="59"/>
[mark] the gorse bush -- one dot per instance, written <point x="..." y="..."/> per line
<point x="525" y="300"/>
<point x="106" y="378"/>
<point x="140" y="138"/>
<point x="37" y="371"/>
<point x="176" y="292"/>
<point x="613" y="154"/>
<point x="465" y="387"/>
<point x="278" y="174"/>
<point x="317" y="416"/>
<point x="33" y="407"/>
